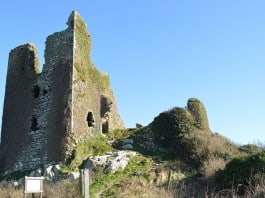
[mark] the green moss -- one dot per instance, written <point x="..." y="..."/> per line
<point x="86" y="70"/>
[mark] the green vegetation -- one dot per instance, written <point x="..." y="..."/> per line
<point x="105" y="181"/>
<point x="243" y="170"/>
<point x="86" y="70"/>
<point x="185" y="133"/>
<point x="91" y="146"/>
<point x="197" y="109"/>
<point x="251" y="148"/>
<point x="119" y="134"/>
<point x="177" y="156"/>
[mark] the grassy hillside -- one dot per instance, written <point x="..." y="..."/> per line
<point x="177" y="156"/>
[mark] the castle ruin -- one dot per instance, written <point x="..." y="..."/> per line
<point x="47" y="113"/>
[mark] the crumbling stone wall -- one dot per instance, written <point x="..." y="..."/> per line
<point x="91" y="89"/>
<point x="46" y="114"/>
<point x="18" y="105"/>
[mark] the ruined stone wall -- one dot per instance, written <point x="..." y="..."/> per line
<point x="91" y="89"/>
<point x="58" y="69"/>
<point x="46" y="114"/>
<point x="18" y="124"/>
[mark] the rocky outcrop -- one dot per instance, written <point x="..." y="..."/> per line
<point x="111" y="162"/>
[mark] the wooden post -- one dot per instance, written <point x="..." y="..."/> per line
<point x="169" y="180"/>
<point x="81" y="184"/>
<point x="86" y="178"/>
<point x="84" y="183"/>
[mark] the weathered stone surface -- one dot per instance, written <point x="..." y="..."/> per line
<point x="127" y="141"/>
<point x="111" y="162"/>
<point x="127" y="144"/>
<point x="138" y="126"/>
<point x="127" y="147"/>
<point x="74" y="176"/>
<point x="45" y="114"/>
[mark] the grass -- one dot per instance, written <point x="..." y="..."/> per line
<point x="104" y="181"/>
<point x="60" y="189"/>
<point x="92" y="146"/>
<point x="119" y="134"/>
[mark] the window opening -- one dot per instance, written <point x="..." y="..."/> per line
<point x="36" y="91"/>
<point x="90" y="119"/>
<point x="34" y="124"/>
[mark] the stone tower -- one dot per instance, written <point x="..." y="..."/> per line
<point x="47" y="113"/>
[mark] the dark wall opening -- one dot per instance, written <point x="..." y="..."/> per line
<point x="105" y="127"/>
<point x="90" y="119"/>
<point x="36" y="91"/>
<point x="34" y="124"/>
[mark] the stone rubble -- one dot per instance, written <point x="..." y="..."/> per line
<point x="111" y="162"/>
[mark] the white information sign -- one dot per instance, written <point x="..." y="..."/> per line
<point x="33" y="185"/>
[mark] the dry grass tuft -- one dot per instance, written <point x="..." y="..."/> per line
<point x="212" y="165"/>
<point x="61" y="189"/>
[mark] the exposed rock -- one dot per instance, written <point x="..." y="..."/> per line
<point x="74" y="176"/>
<point x="36" y="173"/>
<point x="51" y="172"/>
<point x="127" y="141"/>
<point x="127" y="147"/>
<point x="111" y="162"/>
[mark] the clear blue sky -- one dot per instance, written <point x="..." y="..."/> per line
<point x="159" y="53"/>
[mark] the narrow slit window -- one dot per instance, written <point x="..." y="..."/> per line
<point x="36" y="91"/>
<point x="34" y="124"/>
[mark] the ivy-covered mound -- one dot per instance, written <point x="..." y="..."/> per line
<point x="185" y="133"/>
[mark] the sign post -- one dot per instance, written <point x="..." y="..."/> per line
<point x="33" y="185"/>
<point x="84" y="183"/>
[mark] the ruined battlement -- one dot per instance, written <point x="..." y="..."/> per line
<point x="47" y="113"/>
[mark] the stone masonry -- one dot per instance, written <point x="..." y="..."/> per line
<point x="47" y="113"/>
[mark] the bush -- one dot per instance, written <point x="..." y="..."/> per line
<point x="242" y="171"/>
<point x="182" y="132"/>
<point x="171" y="125"/>
<point x="186" y="134"/>
<point x="250" y="149"/>
<point x="198" y="111"/>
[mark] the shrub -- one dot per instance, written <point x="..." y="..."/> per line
<point x="250" y="149"/>
<point x="171" y="125"/>
<point x="242" y="170"/>
<point x="186" y="134"/>
<point x="198" y="111"/>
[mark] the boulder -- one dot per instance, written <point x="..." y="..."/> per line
<point x="74" y="176"/>
<point x="111" y="162"/>
<point x="127" y="147"/>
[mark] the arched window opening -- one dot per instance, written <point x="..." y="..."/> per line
<point x="90" y="119"/>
